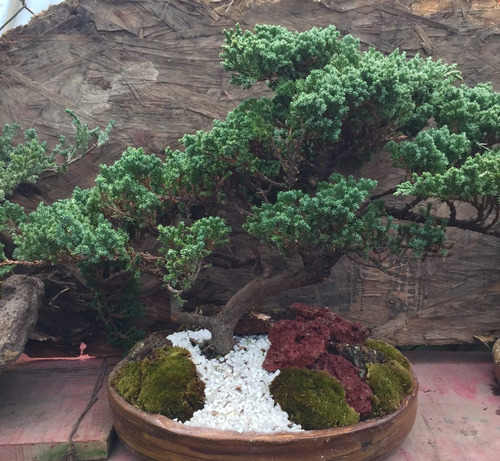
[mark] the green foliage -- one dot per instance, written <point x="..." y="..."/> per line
<point x="130" y="191"/>
<point x="166" y="382"/>
<point x="421" y="238"/>
<point x="68" y="231"/>
<point x="273" y="53"/>
<point x="241" y="146"/>
<point x="473" y="111"/>
<point x="298" y="220"/>
<point x="331" y="101"/>
<point x="477" y="178"/>
<point x="372" y="89"/>
<point x="119" y="331"/>
<point x="65" y="231"/>
<point x="432" y="151"/>
<point x="81" y="147"/>
<point x="23" y="163"/>
<point x="115" y="286"/>
<point x="185" y="248"/>
<point x="314" y="399"/>
<point x="458" y="161"/>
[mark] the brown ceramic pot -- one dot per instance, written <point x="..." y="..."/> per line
<point x="156" y="437"/>
<point x="496" y="358"/>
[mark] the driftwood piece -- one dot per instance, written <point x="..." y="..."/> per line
<point x="154" y="67"/>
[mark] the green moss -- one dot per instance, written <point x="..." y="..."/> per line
<point x="314" y="399"/>
<point x="390" y="383"/>
<point x="128" y="381"/>
<point x="389" y="351"/>
<point x="165" y="382"/>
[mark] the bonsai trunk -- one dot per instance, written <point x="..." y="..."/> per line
<point x="222" y="325"/>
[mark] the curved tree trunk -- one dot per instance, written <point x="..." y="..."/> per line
<point x="251" y="295"/>
<point x="222" y="325"/>
<point x="315" y="268"/>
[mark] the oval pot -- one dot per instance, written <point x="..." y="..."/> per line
<point x="156" y="437"/>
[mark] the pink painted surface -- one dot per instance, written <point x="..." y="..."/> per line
<point x="458" y="416"/>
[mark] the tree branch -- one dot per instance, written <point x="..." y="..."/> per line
<point x="464" y="224"/>
<point x="190" y="318"/>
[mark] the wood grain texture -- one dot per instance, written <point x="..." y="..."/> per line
<point x="156" y="437"/>
<point x="44" y="400"/>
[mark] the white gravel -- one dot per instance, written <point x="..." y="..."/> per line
<point x="237" y="387"/>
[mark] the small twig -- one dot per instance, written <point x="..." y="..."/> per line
<point x="51" y="302"/>
<point x="8" y="262"/>
<point x="69" y="455"/>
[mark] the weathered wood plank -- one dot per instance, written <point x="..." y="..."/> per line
<point x="43" y="401"/>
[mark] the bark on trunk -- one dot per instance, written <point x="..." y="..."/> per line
<point x="251" y="295"/>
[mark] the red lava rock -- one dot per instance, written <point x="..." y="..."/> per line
<point x="305" y="342"/>
<point x="341" y="330"/>
<point x="358" y="392"/>
<point x="295" y="344"/>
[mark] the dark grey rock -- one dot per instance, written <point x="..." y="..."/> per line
<point x="21" y="298"/>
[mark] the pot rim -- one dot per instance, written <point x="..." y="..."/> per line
<point x="165" y="423"/>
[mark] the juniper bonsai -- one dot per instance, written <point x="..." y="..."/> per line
<point x="23" y="163"/>
<point x="287" y="163"/>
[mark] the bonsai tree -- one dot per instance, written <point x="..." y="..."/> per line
<point x="287" y="164"/>
<point x="24" y="163"/>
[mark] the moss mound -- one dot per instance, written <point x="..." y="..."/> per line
<point x="390" y="383"/>
<point x="389" y="351"/>
<point x="165" y="382"/>
<point x="312" y="398"/>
